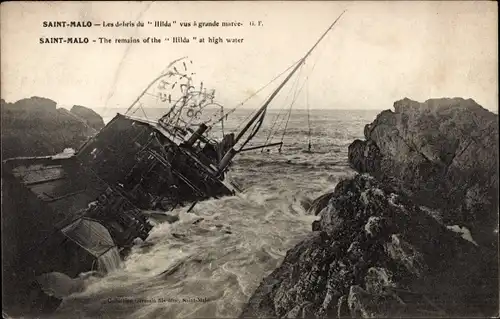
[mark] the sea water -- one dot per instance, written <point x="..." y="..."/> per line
<point x="210" y="262"/>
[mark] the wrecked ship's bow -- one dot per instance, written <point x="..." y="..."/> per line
<point x="63" y="214"/>
<point x="69" y="214"/>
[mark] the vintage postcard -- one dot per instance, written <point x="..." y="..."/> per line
<point x="249" y="159"/>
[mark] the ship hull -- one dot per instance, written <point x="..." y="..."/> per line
<point x="128" y="166"/>
<point x="33" y="245"/>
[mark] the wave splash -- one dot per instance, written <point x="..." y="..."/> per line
<point x="206" y="264"/>
<point x="209" y="262"/>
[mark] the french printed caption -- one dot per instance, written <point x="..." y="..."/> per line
<point x="170" y="27"/>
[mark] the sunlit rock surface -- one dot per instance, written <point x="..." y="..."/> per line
<point x="443" y="153"/>
<point x="414" y="235"/>
<point x="377" y="254"/>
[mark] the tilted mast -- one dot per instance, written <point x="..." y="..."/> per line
<point x="261" y="112"/>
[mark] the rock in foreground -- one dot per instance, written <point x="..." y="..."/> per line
<point x="377" y="254"/>
<point x="443" y="153"/>
<point x="35" y="127"/>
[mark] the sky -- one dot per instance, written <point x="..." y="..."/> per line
<point x="377" y="53"/>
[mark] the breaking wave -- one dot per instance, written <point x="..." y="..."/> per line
<point x="209" y="262"/>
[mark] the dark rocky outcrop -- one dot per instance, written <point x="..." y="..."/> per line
<point x="90" y="117"/>
<point x="36" y="127"/>
<point x="443" y="153"/>
<point x="377" y="254"/>
<point x="319" y="203"/>
<point x="393" y="241"/>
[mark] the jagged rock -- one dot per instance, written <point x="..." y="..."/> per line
<point x="31" y="104"/>
<point x="306" y="204"/>
<point x="35" y="127"/>
<point x="364" y="156"/>
<point x="378" y="281"/>
<point x="343" y="308"/>
<point x="92" y="119"/>
<point x="316" y="225"/>
<point x="443" y="153"/>
<point x="319" y="203"/>
<point x="378" y="254"/>
<point x="367" y="305"/>
<point x="377" y="226"/>
<point x="299" y="311"/>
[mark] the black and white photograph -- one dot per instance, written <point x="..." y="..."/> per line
<point x="249" y="159"/>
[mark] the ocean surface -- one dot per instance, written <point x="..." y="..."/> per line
<point x="209" y="263"/>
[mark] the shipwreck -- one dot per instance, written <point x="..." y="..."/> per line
<point x="73" y="213"/>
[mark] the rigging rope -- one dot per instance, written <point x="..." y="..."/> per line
<point x="254" y="94"/>
<point x="255" y="129"/>
<point x="308" y="116"/>
<point x="295" y="97"/>
<point x="288" y="119"/>
<point x="247" y="117"/>
<point x="308" y="119"/>
<point x="271" y="135"/>
<point x="259" y="116"/>
<point x="307" y="101"/>
<point x="296" y="94"/>
<point x="293" y="88"/>
<point x="222" y="121"/>
<point x="143" y="111"/>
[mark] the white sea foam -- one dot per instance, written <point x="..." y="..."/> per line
<point x="221" y="259"/>
<point x="463" y="231"/>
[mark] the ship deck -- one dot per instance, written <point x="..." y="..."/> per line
<point x="57" y="182"/>
<point x="208" y="165"/>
